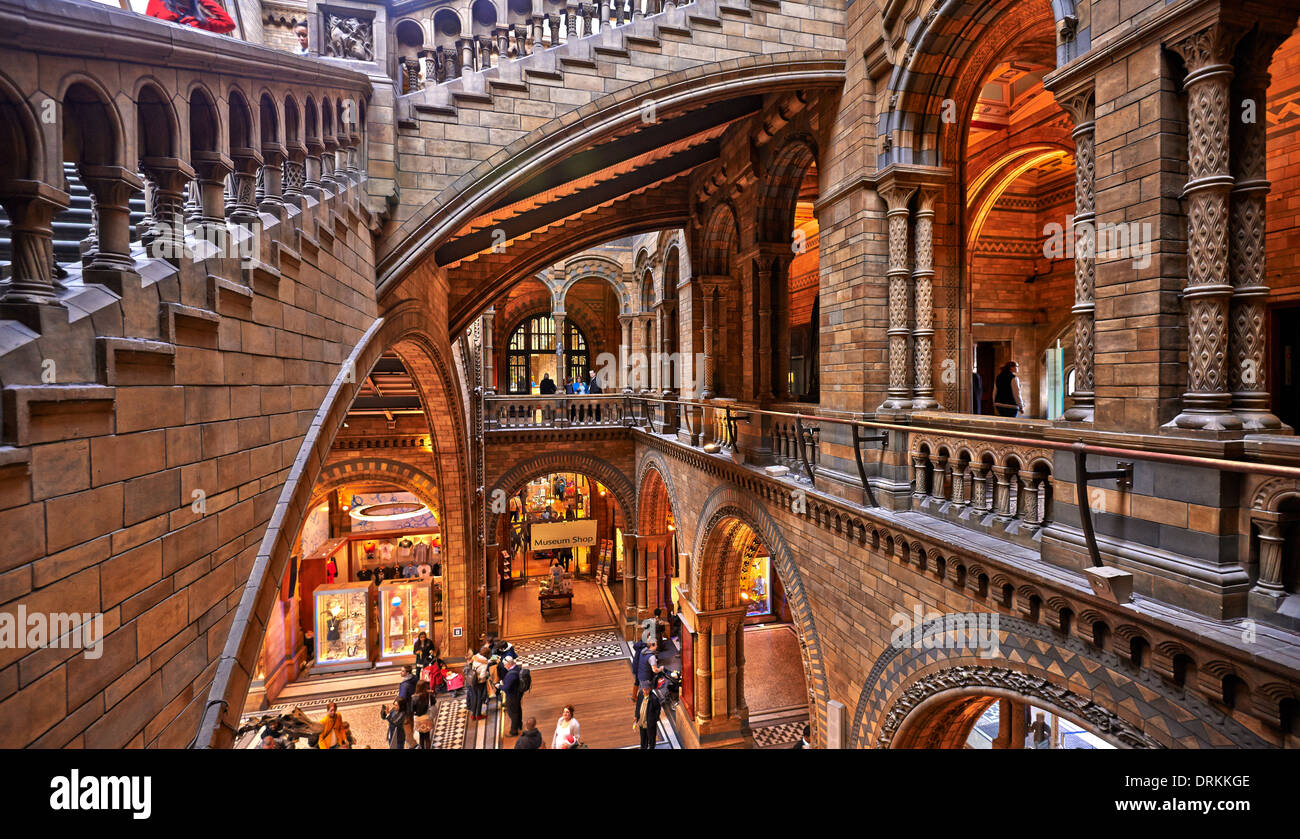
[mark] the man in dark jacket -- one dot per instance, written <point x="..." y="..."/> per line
<point x="531" y="738"/>
<point x="514" y="693"/>
<point x="406" y="689"/>
<point x="547" y="387"/>
<point x="637" y="650"/>
<point x="647" y="718"/>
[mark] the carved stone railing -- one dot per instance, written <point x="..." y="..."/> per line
<point x="527" y="34"/>
<point x="1006" y="489"/>
<point x="559" y="411"/>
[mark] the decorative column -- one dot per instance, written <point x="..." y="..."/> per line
<point x="561" y="369"/>
<point x="707" y="299"/>
<point x="295" y="171"/>
<point x="242" y="209"/>
<point x="489" y="352"/>
<point x="169" y="176"/>
<point x="31" y="207"/>
<point x="899" y="395"/>
<point x="703" y="675"/>
<point x="272" y="160"/>
<point x="625" y="326"/>
<point x="1248" y="363"/>
<point x="629" y="586"/>
<point x="312" y="168"/>
<point x="923" y="284"/>
<point x="353" y="151"/>
<point x="328" y="180"/>
<point x="765" y="282"/>
<point x="1083" y="397"/>
<point x="1207" y="402"/>
<point x="642" y="559"/>
<point x="1271" y="542"/>
<point x="210" y="170"/>
<point x="112" y="187"/>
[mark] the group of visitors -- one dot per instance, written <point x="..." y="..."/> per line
<point x="496" y="665"/>
<point x="410" y="718"/>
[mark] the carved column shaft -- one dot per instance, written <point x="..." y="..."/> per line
<point x="899" y="394"/>
<point x="1271" y="543"/>
<point x="707" y="297"/>
<point x="1248" y="363"/>
<point x="1207" y="402"/>
<point x="561" y="369"/>
<point x="923" y="285"/>
<point x="31" y="207"/>
<point x="1083" y="397"/>
<point x="169" y="177"/>
<point x="112" y="187"/>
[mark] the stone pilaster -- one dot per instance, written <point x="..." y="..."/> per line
<point x="31" y="207"/>
<point x="923" y="289"/>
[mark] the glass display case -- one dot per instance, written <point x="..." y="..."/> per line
<point x="404" y="612"/>
<point x="756" y="585"/>
<point x="342" y="625"/>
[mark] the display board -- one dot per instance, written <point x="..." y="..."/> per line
<point x="564" y="534"/>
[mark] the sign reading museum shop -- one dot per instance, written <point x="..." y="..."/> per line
<point x="564" y="534"/>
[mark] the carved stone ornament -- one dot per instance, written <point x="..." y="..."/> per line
<point x="349" y="37"/>
<point x="1101" y="720"/>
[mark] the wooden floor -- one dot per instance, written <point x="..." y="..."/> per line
<point x="523" y="619"/>
<point x="600" y="694"/>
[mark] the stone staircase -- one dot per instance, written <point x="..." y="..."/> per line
<point x="447" y="129"/>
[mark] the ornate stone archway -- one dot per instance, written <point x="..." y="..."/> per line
<point x="710" y="573"/>
<point x="514" y="478"/>
<point x="1132" y="707"/>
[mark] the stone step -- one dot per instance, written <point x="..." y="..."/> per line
<point x="135" y="361"/>
<point x="48" y="413"/>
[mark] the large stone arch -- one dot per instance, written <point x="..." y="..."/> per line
<point x="344" y="472"/>
<point x="404" y="329"/>
<point x="1130" y="706"/>
<point x="474" y="191"/>
<point x="779" y="189"/>
<point x="601" y="268"/>
<point x="514" y="478"/>
<point x="948" y="54"/>
<point x="652" y="463"/>
<point x="708" y="575"/>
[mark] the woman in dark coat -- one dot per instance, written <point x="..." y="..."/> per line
<point x="396" y="719"/>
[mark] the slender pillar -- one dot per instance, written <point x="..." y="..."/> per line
<point x="561" y="369"/>
<point x="1083" y="397"/>
<point x="295" y="172"/>
<point x="312" y="168"/>
<point x="707" y="299"/>
<point x="169" y="176"/>
<point x="489" y="353"/>
<point x="765" y="280"/>
<point x="899" y="395"/>
<point x="625" y="326"/>
<point x="1207" y="402"/>
<point x="629" y="585"/>
<point x="1248" y="363"/>
<point x="272" y="162"/>
<point x="703" y="675"/>
<point x="242" y="208"/>
<point x="923" y="285"/>
<point x="31" y="207"/>
<point x="112" y="187"/>
<point x="1271" y="544"/>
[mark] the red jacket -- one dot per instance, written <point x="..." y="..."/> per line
<point x="217" y="19"/>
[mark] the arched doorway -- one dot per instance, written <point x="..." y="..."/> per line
<point x="979" y="719"/>
<point x="731" y="699"/>
<point x="531" y="355"/>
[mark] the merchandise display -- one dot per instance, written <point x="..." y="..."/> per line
<point x="342" y="627"/>
<point x="404" y="612"/>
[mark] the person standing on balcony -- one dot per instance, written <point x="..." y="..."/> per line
<point x="301" y="31"/>
<point x="1006" y="394"/>
<point x="547" y="387"/>
<point x="201" y="14"/>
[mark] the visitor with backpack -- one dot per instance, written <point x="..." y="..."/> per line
<point x="514" y="694"/>
<point x="476" y="681"/>
<point x="647" y="718"/>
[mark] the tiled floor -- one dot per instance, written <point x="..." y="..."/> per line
<point x="570" y="649"/>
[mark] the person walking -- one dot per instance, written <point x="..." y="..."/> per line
<point x="568" y="733"/>
<point x="531" y="738"/>
<point x="422" y="711"/>
<point x="647" y="718"/>
<point x="513" y="690"/>
<point x="1006" y="391"/>
<point x="395" y="716"/>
